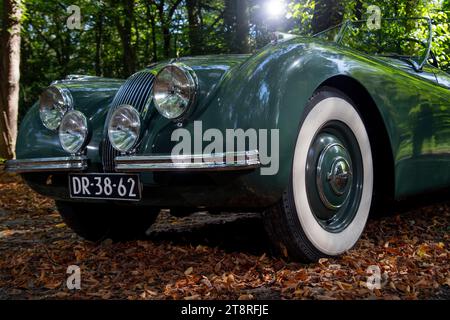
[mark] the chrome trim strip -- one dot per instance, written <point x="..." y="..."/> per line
<point x="63" y="164"/>
<point x="230" y="161"/>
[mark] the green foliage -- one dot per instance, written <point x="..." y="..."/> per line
<point x="441" y="40"/>
<point x="302" y="12"/>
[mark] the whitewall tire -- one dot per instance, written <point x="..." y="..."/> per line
<point x="325" y="209"/>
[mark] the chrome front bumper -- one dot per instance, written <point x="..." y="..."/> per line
<point x="63" y="164"/>
<point x="205" y="162"/>
<point x="234" y="161"/>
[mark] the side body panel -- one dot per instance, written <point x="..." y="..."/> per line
<point x="271" y="89"/>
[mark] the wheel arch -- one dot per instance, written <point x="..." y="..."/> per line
<point x="384" y="164"/>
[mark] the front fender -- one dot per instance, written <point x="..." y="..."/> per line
<point x="90" y="97"/>
<point x="268" y="91"/>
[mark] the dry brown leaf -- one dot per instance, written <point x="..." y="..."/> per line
<point x="189" y="271"/>
<point x="52" y="285"/>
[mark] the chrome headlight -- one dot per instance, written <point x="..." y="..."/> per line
<point x="54" y="103"/>
<point x="73" y="131"/>
<point x="124" y="128"/>
<point x="174" y="91"/>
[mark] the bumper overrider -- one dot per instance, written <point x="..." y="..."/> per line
<point x="232" y="161"/>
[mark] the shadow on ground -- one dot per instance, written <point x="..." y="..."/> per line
<point x="230" y="232"/>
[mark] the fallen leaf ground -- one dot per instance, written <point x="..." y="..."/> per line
<point x="213" y="257"/>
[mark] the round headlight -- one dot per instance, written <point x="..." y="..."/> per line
<point x="73" y="132"/>
<point x="124" y="128"/>
<point x="174" y="91"/>
<point x="54" y="103"/>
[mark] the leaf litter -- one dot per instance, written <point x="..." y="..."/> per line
<point x="179" y="261"/>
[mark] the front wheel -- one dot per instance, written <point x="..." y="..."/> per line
<point x="96" y="222"/>
<point x="326" y="206"/>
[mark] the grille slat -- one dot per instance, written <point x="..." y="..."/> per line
<point x="135" y="92"/>
<point x="145" y="96"/>
<point x="141" y="89"/>
<point x="131" y="90"/>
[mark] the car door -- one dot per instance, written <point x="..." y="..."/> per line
<point x="425" y="164"/>
<point x="432" y="134"/>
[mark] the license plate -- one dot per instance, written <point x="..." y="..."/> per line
<point x="125" y="187"/>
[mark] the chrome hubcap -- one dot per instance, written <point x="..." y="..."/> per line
<point x="334" y="174"/>
<point x="339" y="176"/>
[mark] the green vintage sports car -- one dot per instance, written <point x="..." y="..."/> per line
<point x="314" y="132"/>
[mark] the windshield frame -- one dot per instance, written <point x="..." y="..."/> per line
<point x="344" y="25"/>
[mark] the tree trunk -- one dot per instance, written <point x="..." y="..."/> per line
<point x="98" y="44"/>
<point x="165" y="18"/>
<point x="129" y="54"/>
<point x="9" y="77"/>
<point x="137" y="34"/>
<point x="195" y="27"/>
<point x="165" y="29"/>
<point x="154" y="43"/>
<point x="229" y="18"/>
<point x="151" y="32"/>
<point x="327" y="13"/>
<point x="237" y="26"/>
<point x="242" y="26"/>
<point x="166" y="41"/>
